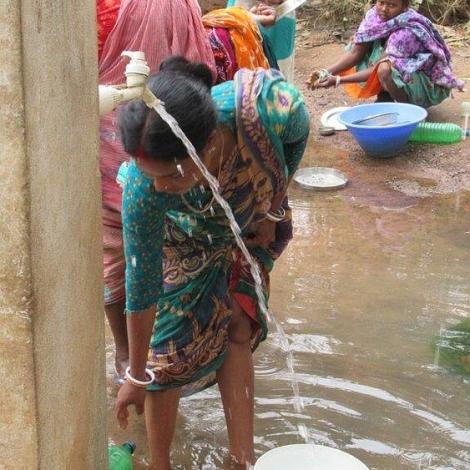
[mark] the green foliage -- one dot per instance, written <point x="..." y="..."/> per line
<point x="452" y="347"/>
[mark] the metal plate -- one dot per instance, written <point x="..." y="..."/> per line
<point x="320" y="178"/>
<point x="330" y="118"/>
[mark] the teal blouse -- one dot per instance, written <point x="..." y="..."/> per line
<point x="144" y="209"/>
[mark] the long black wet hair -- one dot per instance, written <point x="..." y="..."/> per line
<point x="184" y="87"/>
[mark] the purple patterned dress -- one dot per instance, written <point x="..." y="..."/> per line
<point x="419" y="56"/>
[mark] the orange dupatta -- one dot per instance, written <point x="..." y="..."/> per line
<point x="244" y="33"/>
<point x="371" y="88"/>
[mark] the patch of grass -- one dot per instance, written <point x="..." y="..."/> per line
<point x="452" y="347"/>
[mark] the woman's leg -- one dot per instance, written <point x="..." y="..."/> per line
<point x="236" y="384"/>
<point x="384" y="72"/>
<point x="117" y="322"/>
<point x="160" y="418"/>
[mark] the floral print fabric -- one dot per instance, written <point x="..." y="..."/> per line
<point x="413" y="45"/>
<point x="181" y="255"/>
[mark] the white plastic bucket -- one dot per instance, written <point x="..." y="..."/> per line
<point x="308" y="457"/>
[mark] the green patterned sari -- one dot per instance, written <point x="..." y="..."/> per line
<point x="181" y="256"/>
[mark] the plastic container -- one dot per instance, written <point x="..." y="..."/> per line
<point x="308" y="457"/>
<point x="437" y="133"/>
<point x="387" y="140"/>
<point x="120" y="457"/>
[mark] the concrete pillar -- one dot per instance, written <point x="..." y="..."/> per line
<point x="52" y="363"/>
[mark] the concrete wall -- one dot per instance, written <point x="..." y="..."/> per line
<point x="52" y="399"/>
<point x="17" y="395"/>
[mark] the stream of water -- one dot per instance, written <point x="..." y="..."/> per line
<point x="283" y="342"/>
<point x="370" y="280"/>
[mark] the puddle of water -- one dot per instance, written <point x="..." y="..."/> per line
<point x="369" y="281"/>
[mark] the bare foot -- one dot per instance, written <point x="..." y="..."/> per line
<point x="232" y="463"/>
<point x="121" y="361"/>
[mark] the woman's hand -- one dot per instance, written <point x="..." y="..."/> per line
<point x="264" y="14"/>
<point x="128" y="395"/>
<point x="318" y="78"/>
<point x="328" y="82"/>
<point x="264" y="236"/>
<point x="312" y="81"/>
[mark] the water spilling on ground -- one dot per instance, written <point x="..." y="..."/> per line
<point x="371" y="278"/>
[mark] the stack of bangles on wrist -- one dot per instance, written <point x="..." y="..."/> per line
<point x="140" y="383"/>
<point x="323" y="74"/>
<point x="276" y="215"/>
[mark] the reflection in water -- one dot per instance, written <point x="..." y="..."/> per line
<point x="370" y="280"/>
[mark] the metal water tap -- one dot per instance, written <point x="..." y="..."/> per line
<point x="137" y="73"/>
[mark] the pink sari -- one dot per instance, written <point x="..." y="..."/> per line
<point x="160" y="28"/>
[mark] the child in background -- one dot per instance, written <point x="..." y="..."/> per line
<point x="281" y="35"/>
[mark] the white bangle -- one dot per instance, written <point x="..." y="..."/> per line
<point x="338" y="81"/>
<point x="140" y="383"/>
<point x="323" y="74"/>
<point x="272" y="218"/>
<point x="276" y="216"/>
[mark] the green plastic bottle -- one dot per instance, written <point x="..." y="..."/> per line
<point x="120" y="457"/>
<point x="437" y="133"/>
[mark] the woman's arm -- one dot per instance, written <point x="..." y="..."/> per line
<point x="350" y="58"/>
<point x="357" y="77"/>
<point x="346" y="61"/>
<point x="264" y="15"/>
<point x="143" y="212"/>
<point x="139" y="331"/>
<point x="294" y="140"/>
<point x="361" y="76"/>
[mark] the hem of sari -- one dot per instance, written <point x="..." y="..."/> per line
<point x="198" y="376"/>
<point x="108" y="300"/>
<point x="421" y="90"/>
<point x="135" y="311"/>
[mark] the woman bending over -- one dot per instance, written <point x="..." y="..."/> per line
<point x="192" y="312"/>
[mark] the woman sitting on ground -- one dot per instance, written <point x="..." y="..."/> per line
<point x="189" y="292"/>
<point x="397" y="55"/>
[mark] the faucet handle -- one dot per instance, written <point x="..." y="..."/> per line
<point x="134" y="55"/>
<point x="137" y="70"/>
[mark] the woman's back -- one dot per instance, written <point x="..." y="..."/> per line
<point x="159" y="28"/>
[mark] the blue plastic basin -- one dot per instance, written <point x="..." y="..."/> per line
<point x="383" y="141"/>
